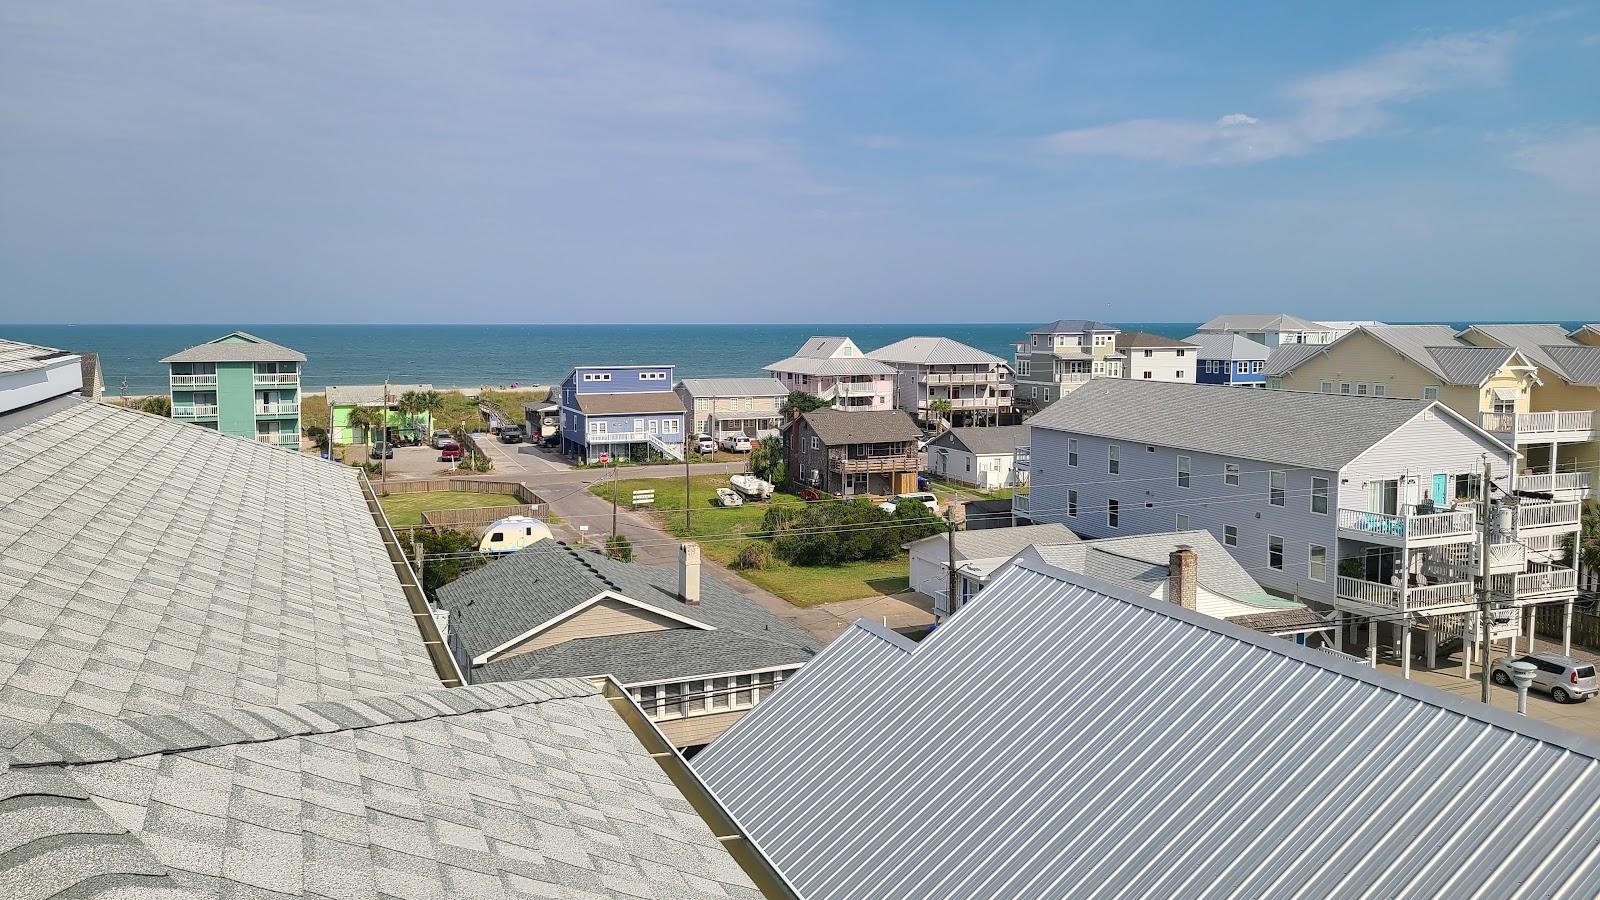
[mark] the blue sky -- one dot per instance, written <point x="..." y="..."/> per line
<point x="792" y="162"/>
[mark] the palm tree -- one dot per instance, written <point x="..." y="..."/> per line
<point x="369" y="419"/>
<point x="941" y="409"/>
<point x="1589" y="537"/>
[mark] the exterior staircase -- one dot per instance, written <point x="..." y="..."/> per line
<point x="674" y="451"/>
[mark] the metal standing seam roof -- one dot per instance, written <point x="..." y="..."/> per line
<point x="841" y="426"/>
<point x="149" y="566"/>
<point x="534" y="789"/>
<point x="1232" y="346"/>
<point x="1285" y="358"/>
<point x="992" y="543"/>
<point x="251" y="349"/>
<point x="830" y="366"/>
<point x="734" y="387"/>
<point x="934" y="351"/>
<point x="621" y="404"/>
<point x="1576" y="363"/>
<point x="1268" y="322"/>
<point x="1470" y="366"/>
<point x="1009" y="754"/>
<point x="1320" y="431"/>
<point x="16" y="356"/>
<point x="369" y="394"/>
<point x="1072" y="326"/>
<point x="985" y="441"/>
<point x="509" y="597"/>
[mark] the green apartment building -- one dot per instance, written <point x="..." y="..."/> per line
<point x="342" y="401"/>
<point x="239" y="384"/>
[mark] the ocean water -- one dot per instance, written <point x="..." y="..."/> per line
<point x="494" y="355"/>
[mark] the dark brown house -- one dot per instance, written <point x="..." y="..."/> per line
<point x="854" y="453"/>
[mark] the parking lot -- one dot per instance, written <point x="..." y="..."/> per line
<point x="1580" y="718"/>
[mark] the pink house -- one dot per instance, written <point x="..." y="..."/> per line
<point x="835" y="369"/>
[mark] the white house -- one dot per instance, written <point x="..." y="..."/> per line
<point x="981" y="457"/>
<point x="1363" y="504"/>
<point x="835" y="369"/>
<point x="975" y="385"/>
<point x="1151" y="357"/>
<point x="1272" y="330"/>
<point x="977" y="555"/>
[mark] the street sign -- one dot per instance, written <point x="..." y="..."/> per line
<point x="646" y="497"/>
<point x="605" y="458"/>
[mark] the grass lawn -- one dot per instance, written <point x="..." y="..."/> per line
<point x="407" y="509"/>
<point x="720" y="535"/>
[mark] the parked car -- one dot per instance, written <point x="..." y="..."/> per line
<point x="736" y="443"/>
<point x="923" y="497"/>
<point x="511" y="434"/>
<point x="381" y="450"/>
<point x="450" y="452"/>
<point x="705" y="443"/>
<point x="440" y="438"/>
<point x="1566" y="678"/>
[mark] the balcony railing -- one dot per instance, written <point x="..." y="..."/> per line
<point x="1340" y="654"/>
<point x="1408" y="527"/>
<point x="903" y="462"/>
<point x="1021" y="458"/>
<point x="1019" y="501"/>
<point x="1555" y="483"/>
<point x="1420" y="597"/>
<point x="276" y="409"/>
<point x="963" y="378"/>
<point x="971" y="402"/>
<point x="1567" y="424"/>
<point x="188" y="381"/>
<point x="629" y="437"/>
<point x="1073" y="377"/>
<point x="195" y="411"/>
<point x="279" y="438"/>
<point x="1541" y="580"/>
<point x="1559" y="514"/>
<point x="277" y="378"/>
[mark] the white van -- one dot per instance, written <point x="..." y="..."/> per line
<point x="513" y="533"/>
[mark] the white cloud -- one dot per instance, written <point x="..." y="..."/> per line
<point x="1571" y="161"/>
<point x="1333" y="106"/>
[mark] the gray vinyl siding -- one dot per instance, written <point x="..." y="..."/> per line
<point x="1431" y="443"/>
<point x="1151" y="478"/>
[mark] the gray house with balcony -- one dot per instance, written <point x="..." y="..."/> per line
<point x="853" y="454"/>
<point x="1058" y="358"/>
<point x="1367" y="506"/>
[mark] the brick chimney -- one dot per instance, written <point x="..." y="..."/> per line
<point x="1183" y="576"/>
<point x="689" y="574"/>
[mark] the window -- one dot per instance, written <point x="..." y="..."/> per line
<point x="1275" y="489"/>
<point x="1319" y="495"/>
<point x="814" y="442"/>
<point x="597" y="376"/>
<point x="1325" y="387"/>
<point x="1147" y="375"/>
<point x="1047" y="395"/>
<point x="1230" y="535"/>
<point x="1230" y="473"/>
<point x="1380" y="390"/>
<point x="1275" y="552"/>
<point x="1113" y="519"/>
<point x="1181" y="353"/>
<point x="1181" y="523"/>
<point x="1149" y="353"/>
<point x="1033" y="393"/>
<point x="1430" y="392"/>
<point x="1072" y="504"/>
<point x="1113" y="458"/>
<point x="652" y="376"/>
<point x="1361" y="389"/>
<point x="1241" y="367"/>
<point x="674" y="706"/>
<point x="1257" y="366"/>
<point x="1317" y="564"/>
<point x="1178" y="374"/>
<point x="1022" y="366"/>
<point x="1183" y="471"/>
<point x="670" y="426"/>
<point x="1344" y="387"/>
<point x="1072" y="451"/>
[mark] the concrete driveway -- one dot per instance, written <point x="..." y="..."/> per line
<point x="1580" y="718"/>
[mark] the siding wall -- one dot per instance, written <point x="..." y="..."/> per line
<point x="604" y="618"/>
<point x="1163" y="364"/>
<point x="1424" y="446"/>
<point x="236" y="399"/>
<point x="696" y="730"/>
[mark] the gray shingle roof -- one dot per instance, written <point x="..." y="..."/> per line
<point x="1128" y="340"/>
<point x="1285" y="358"/>
<point x="1218" y="571"/>
<point x="1001" y="543"/>
<point x="148" y="566"/>
<point x="934" y="351"/>
<point x="1232" y="346"/>
<point x="1010" y="754"/>
<point x="536" y="789"/>
<point x="734" y="387"/>
<point x="1268" y="322"/>
<point x="621" y="404"/>
<point x="1072" y="326"/>
<point x="251" y="349"/>
<point x="16" y="356"/>
<point x="984" y="441"/>
<point x="369" y="394"/>
<point x="1322" y="431"/>
<point x="511" y="596"/>
<point x="840" y="426"/>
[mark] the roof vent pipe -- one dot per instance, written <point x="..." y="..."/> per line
<point x="1183" y="576"/>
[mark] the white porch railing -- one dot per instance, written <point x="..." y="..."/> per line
<point x="1553" y="483"/>
<point x="197" y="410"/>
<point x="279" y="438"/>
<point x="1546" y="515"/>
<point x="188" y="381"/>
<point x="1340" y="654"/>
<point x="1364" y="591"/>
<point x="276" y="409"/>
<point x="1432" y="525"/>
<point x="277" y="378"/>
<point x="963" y="378"/>
<point x="1574" y="424"/>
<point x="1074" y="377"/>
<point x="1439" y="594"/>
<point x="1388" y="595"/>
<point x="1021" y="458"/>
<point x="1540" y="580"/>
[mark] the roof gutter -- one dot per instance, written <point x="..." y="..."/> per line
<point x="444" y="662"/>
<point x="732" y="835"/>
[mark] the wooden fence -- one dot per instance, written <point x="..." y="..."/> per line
<point x="469" y="517"/>
<point x="462" y="485"/>
<point x="1585" y="625"/>
<point x="479" y="516"/>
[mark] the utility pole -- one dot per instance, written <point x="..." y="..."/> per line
<point x="1483" y="583"/>
<point x="950" y="557"/>
<point x="688" y="503"/>
<point x="613" y="495"/>
<point x="383" y="461"/>
<point x="326" y="391"/>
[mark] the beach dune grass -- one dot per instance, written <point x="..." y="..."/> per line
<point x="407" y="509"/>
<point x="721" y="532"/>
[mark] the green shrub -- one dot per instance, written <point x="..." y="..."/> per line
<point x="834" y="532"/>
<point x="619" y="548"/>
<point x="442" y="555"/>
<point x="754" y="556"/>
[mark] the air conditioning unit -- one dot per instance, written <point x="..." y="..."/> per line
<point x="816" y="476"/>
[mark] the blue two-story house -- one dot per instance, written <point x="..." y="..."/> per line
<point x="1230" y="359"/>
<point x="628" y="412"/>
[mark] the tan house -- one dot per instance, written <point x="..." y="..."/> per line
<point x="719" y="406"/>
<point x="695" y="654"/>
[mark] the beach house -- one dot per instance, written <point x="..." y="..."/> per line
<point x="1229" y="359"/>
<point x="1273" y="330"/>
<point x="980" y="457"/>
<point x="937" y="379"/>
<point x="719" y="406"/>
<point x="853" y="454"/>
<point x="1368" y="506"/>
<point x="239" y="384"/>
<point x="834" y="369"/>
<point x="404" y="426"/>
<point x="1057" y="358"/>
<point x="1151" y="357"/>
<point x="621" y="412"/>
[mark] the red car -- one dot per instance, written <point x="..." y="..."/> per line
<point x="450" y="453"/>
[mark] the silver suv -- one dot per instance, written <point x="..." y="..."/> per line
<point x="1566" y="678"/>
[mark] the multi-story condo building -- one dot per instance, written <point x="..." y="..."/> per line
<point x="1230" y="359"/>
<point x="835" y="369"/>
<point x="1272" y="330"/>
<point x="241" y="385"/>
<point x="719" y="406"/>
<point x="871" y="453"/>
<point x="1368" y="506"/>
<point x="1499" y="376"/>
<point x="1151" y="357"/>
<point x="930" y="372"/>
<point x="1062" y="356"/>
<point x="622" y="412"/>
